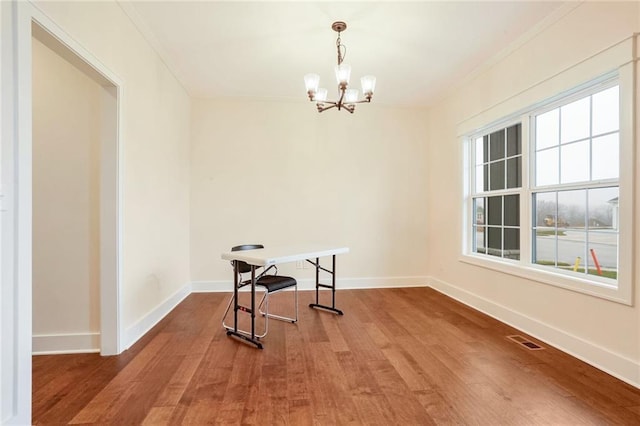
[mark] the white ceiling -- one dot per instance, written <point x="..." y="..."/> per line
<point x="417" y="50"/>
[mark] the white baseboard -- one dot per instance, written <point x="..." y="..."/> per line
<point x="71" y="343"/>
<point x="384" y="282"/>
<point x="147" y="322"/>
<point x="309" y="284"/>
<point x="617" y="365"/>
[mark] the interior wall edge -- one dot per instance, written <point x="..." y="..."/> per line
<point x="619" y="366"/>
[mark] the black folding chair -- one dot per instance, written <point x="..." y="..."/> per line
<point x="270" y="283"/>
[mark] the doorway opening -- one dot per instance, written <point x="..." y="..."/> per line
<point x="76" y="212"/>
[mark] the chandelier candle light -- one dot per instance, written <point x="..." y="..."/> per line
<point x="348" y="98"/>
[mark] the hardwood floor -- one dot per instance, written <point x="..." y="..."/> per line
<point x="398" y="356"/>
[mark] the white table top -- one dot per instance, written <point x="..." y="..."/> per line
<point x="283" y="254"/>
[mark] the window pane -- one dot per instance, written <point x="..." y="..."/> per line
<point x="575" y="120"/>
<point x="481" y="178"/>
<point x="571" y="250"/>
<point x="480" y="240"/>
<point x="479" y="228"/>
<point x="514" y="172"/>
<point x="478" y="211"/>
<point x="606" y="157"/>
<point x="480" y="150"/>
<point x="496" y="145"/>
<point x="485" y="169"/>
<point x="606" y="111"/>
<point x="512" y="243"/>
<point x="494" y="211"/>
<point x="574" y="164"/>
<point x="514" y="144"/>
<point x="485" y="144"/>
<point x="547" y="172"/>
<point x="494" y="241"/>
<point x="603" y="232"/>
<point x="603" y="208"/>
<point x="512" y="210"/>
<point x="547" y="129"/>
<point x="545" y="209"/>
<point x="545" y="249"/>
<point x="572" y="209"/>
<point x="497" y="175"/>
<point x="603" y="254"/>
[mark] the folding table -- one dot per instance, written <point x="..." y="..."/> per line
<point x="266" y="257"/>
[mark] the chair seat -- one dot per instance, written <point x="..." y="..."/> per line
<point x="276" y="282"/>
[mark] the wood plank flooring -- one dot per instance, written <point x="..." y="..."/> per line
<point x="406" y="356"/>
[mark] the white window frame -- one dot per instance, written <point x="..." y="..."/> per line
<point x="621" y="290"/>
<point x="497" y="192"/>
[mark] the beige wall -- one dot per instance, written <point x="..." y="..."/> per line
<point x="280" y="173"/>
<point x="154" y="155"/>
<point x="587" y="326"/>
<point x="66" y="138"/>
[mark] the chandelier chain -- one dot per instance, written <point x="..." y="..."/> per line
<point x="342" y="49"/>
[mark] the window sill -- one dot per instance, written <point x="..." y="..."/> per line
<point x="594" y="288"/>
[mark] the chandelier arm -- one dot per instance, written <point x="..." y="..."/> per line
<point x="323" y="108"/>
<point x="362" y="101"/>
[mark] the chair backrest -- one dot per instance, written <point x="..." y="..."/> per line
<point x="243" y="266"/>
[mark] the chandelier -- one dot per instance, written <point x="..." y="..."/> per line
<point x="347" y="98"/>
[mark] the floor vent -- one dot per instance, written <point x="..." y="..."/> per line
<point x="525" y="342"/>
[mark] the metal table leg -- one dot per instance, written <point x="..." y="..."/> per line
<point x="237" y="307"/>
<point x="332" y="286"/>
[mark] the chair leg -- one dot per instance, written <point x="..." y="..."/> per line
<point x="280" y="317"/>
<point x="296" y="301"/>
<point x="264" y="300"/>
<point x="224" y="316"/>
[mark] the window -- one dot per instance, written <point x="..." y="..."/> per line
<point x="496" y="202"/>
<point x="544" y="191"/>
<point x="576" y="189"/>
